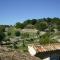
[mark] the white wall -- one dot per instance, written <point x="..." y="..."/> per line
<point x="48" y="58"/>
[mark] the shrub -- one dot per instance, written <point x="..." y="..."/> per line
<point x="2" y="36"/>
<point x="46" y="39"/>
<point x="17" y="33"/>
<point x="9" y="33"/>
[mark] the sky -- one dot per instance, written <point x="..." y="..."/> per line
<point x="12" y="11"/>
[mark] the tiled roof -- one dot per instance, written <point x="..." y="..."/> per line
<point x="47" y="47"/>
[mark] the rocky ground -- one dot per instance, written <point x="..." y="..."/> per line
<point x="8" y="54"/>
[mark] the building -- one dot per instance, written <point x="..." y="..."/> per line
<point x="45" y="52"/>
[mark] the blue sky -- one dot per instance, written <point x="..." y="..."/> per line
<point x="12" y="11"/>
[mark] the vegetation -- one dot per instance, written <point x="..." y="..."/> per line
<point x="17" y="33"/>
<point x="40" y="24"/>
<point x="16" y="38"/>
<point x="19" y="25"/>
<point x="2" y="37"/>
<point x="9" y="33"/>
<point x="46" y="39"/>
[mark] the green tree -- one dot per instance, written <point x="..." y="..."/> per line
<point x="19" y="25"/>
<point x="56" y="21"/>
<point x="34" y="21"/>
<point x="27" y="22"/>
<point x="29" y="26"/>
<point x="41" y="25"/>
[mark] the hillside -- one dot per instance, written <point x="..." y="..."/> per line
<point x="14" y="40"/>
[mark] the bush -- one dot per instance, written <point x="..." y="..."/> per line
<point x="9" y="33"/>
<point x="2" y="36"/>
<point x="46" y="39"/>
<point x="17" y="33"/>
<point x="41" y="26"/>
<point x="2" y="29"/>
<point x="25" y="35"/>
